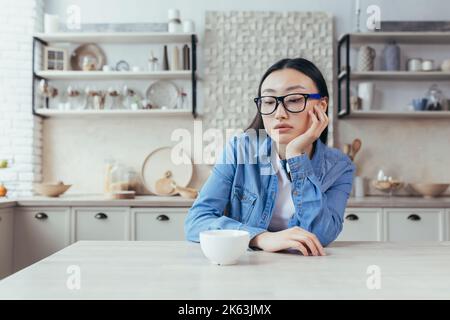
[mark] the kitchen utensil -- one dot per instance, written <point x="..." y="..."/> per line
<point x="174" y="25"/>
<point x="165" y="186"/>
<point x="346" y="149"/>
<point x="162" y="93"/>
<point x="51" y="189"/>
<point x="427" y="65"/>
<point x="129" y="194"/>
<point x="389" y="186"/>
<point x="429" y="190"/>
<point x="189" y="193"/>
<point x="358" y="187"/>
<point x="356" y="146"/>
<point x="188" y="26"/>
<point x="160" y="161"/>
<point x="414" y="64"/>
<point x="122" y="65"/>
<point x="365" y="92"/>
<point x="51" y="23"/>
<point x="224" y="247"/>
<point x="419" y="104"/>
<point x="435" y="98"/>
<point x="93" y="53"/>
<point x="445" y="66"/>
<point x="175" y="65"/>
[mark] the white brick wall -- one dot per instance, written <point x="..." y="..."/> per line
<point x="20" y="131"/>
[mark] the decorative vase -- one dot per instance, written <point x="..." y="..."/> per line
<point x="366" y="57"/>
<point x="391" y="57"/>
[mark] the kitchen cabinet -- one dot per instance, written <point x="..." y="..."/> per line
<point x="100" y="223"/>
<point x="362" y="224"/>
<point x="447" y="225"/>
<point x="414" y="224"/>
<point x="6" y="242"/>
<point x="38" y="233"/>
<point x="158" y="223"/>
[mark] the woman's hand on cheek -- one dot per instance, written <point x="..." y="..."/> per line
<point x="300" y="144"/>
<point x="293" y="238"/>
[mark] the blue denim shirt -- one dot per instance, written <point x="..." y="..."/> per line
<point x="240" y="193"/>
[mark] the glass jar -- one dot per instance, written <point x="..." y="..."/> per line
<point x="435" y="98"/>
<point x="133" y="179"/>
<point x="109" y="164"/>
<point x="113" y="99"/>
<point x="119" y="178"/>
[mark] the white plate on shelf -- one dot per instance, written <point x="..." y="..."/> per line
<point x="162" y="93"/>
<point x="160" y="161"/>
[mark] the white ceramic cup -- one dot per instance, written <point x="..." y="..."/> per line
<point x="136" y="69"/>
<point x="427" y="65"/>
<point x="365" y="92"/>
<point x="51" y="23"/>
<point x="188" y="26"/>
<point x="414" y="64"/>
<point x="358" y="185"/>
<point x="224" y="247"/>
<point x="106" y="68"/>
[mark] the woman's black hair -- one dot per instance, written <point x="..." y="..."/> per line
<point x="307" y="68"/>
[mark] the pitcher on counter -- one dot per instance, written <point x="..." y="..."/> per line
<point x="279" y="180"/>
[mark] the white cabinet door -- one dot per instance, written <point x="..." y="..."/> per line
<point x="6" y="242"/>
<point x="414" y="224"/>
<point x="362" y="224"/>
<point x="158" y="223"/>
<point x="447" y="226"/>
<point x="101" y="223"/>
<point x="38" y="233"/>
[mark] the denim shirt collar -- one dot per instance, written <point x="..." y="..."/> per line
<point x="316" y="161"/>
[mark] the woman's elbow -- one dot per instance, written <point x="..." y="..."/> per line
<point x="190" y="231"/>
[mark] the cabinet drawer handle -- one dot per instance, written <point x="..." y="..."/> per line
<point x="162" y="217"/>
<point x="41" y="216"/>
<point x="101" y="216"/>
<point x="414" y="217"/>
<point x="352" y="217"/>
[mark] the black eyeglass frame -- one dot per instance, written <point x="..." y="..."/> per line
<point x="279" y="99"/>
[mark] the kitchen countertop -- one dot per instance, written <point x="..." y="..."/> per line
<point x="398" y="202"/>
<point x="178" y="270"/>
<point x="7" y="203"/>
<point x="99" y="200"/>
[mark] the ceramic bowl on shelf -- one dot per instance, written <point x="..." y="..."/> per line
<point x="51" y="189"/>
<point x="429" y="190"/>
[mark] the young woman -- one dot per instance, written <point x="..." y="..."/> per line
<point x="294" y="200"/>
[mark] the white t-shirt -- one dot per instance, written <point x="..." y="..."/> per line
<point x="284" y="206"/>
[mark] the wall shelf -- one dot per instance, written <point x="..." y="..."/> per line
<point x="397" y="75"/>
<point x="380" y="114"/>
<point x="112" y="75"/>
<point x="399" y="37"/>
<point x="120" y="38"/>
<point x="53" y="113"/>
<point x="114" y="37"/>
<point x="345" y="74"/>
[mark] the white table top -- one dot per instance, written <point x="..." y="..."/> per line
<point x="178" y="270"/>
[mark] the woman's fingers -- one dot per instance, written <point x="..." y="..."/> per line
<point x="312" y="246"/>
<point x="298" y="246"/>
<point x="317" y="243"/>
<point x="311" y="241"/>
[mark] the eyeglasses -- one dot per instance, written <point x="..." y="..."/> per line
<point x="294" y="102"/>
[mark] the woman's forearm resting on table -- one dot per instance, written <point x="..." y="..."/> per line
<point x="319" y="213"/>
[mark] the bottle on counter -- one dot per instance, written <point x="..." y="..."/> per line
<point x="109" y="164"/>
